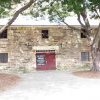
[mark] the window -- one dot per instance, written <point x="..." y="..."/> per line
<point x="3" y="34"/>
<point x="84" y="56"/>
<point x="83" y="33"/>
<point x="3" y="57"/>
<point x="45" y="34"/>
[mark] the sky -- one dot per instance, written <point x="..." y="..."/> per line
<point x="27" y="20"/>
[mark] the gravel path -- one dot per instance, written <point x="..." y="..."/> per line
<point x="53" y="85"/>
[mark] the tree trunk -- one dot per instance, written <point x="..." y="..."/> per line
<point x="96" y="61"/>
<point x="96" y="51"/>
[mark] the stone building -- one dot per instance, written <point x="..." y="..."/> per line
<point x="44" y="47"/>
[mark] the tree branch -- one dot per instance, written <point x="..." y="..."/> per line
<point x="65" y="22"/>
<point x="85" y="18"/>
<point x="97" y="13"/>
<point x="96" y="36"/>
<point x="72" y="27"/>
<point x="84" y="15"/>
<point x="79" y="20"/>
<point x="17" y="14"/>
<point x="86" y="26"/>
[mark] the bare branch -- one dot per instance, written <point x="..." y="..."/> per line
<point x="79" y="20"/>
<point x="85" y="18"/>
<point x="97" y="13"/>
<point x="66" y="23"/>
<point x="86" y="26"/>
<point x="72" y="27"/>
<point x="17" y="14"/>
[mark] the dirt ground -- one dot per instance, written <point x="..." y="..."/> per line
<point x="7" y="81"/>
<point x="87" y="74"/>
<point x="53" y="85"/>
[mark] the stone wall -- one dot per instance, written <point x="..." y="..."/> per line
<point x="22" y="39"/>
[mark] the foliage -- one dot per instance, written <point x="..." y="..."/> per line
<point x="52" y="8"/>
<point x="64" y="8"/>
<point x="94" y="7"/>
<point x="6" y="6"/>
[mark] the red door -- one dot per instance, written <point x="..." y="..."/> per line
<point x="45" y="61"/>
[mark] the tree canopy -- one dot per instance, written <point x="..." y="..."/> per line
<point x="58" y="10"/>
<point x="6" y="6"/>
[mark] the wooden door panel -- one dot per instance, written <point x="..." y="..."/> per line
<point x="45" y="61"/>
<point x="51" y="61"/>
<point x="41" y="61"/>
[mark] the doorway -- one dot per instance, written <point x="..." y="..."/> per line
<point x="45" y="60"/>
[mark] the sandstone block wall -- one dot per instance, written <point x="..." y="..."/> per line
<point x="21" y="41"/>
